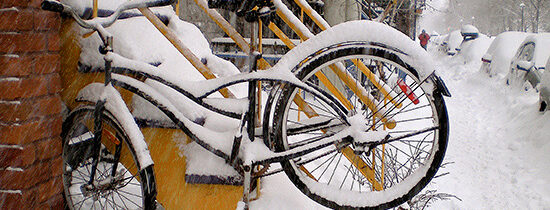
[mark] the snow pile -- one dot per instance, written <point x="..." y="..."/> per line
<point x="453" y="41"/>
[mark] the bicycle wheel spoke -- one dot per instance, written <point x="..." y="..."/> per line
<point x="335" y="167"/>
<point x="128" y="199"/>
<point x="123" y="203"/>
<point x="346" y="176"/>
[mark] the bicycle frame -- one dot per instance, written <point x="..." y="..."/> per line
<point x="121" y="65"/>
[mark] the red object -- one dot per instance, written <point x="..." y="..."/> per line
<point x="407" y="90"/>
<point x="424" y="37"/>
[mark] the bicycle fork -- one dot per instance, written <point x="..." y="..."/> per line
<point x="98" y="122"/>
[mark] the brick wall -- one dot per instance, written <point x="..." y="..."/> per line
<point x="30" y="106"/>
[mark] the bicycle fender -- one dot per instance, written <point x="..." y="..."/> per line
<point x="95" y="92"/>
<point x="440" y="86"/>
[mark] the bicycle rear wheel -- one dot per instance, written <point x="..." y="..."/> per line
<point x="371" y="81"/>
<point x="118" y="182"/>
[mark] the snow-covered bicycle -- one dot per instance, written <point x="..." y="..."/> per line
<point x="356" y="118"/>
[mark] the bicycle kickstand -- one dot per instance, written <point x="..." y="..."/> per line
<point x="246" y="185"/>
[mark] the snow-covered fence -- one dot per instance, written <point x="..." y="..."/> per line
<point x="30" y="107"/>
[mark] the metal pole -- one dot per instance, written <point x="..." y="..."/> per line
<point x="414" y="20"/>
<point x="522" y="5"/>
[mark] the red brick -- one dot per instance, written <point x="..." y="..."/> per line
<point x="30" y="108"/>
<point x="18" y="133"/>
<point x="37" y="173"/>
<point x="45" y="20"/>
<point x="13" y="66"/>
<point x="47" y="63"/>
<point x="35" y="3"/>
<point x="48" y="148"/>
<point x="24" y="200"/>
<point x="54" y="43"/>
<point x="56" y="202"/>
<point x="14" y="3"/>
<point x="14" y="157"/>
<point x="17" y="88"/>
<point x="11" y="201"/>
<point x="12" y="180"/>
<point x="55" y="83"/>
<point x="27" y="132"/>
<point x="16" y="20"/>
<point x="57" y="166"/>
<point x="50" y="189"/>
<point x="22" y="42"/>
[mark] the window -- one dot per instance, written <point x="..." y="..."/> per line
<point x="527" y="52"/>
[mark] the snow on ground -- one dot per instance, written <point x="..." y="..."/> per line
<point x="498" y="146"/>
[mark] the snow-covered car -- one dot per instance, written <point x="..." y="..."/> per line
<point x="469" y="32"/>
<point x="474" y="46"/>
<point x="529" y="62"/>
<point x="452" y="42"/>
<point x="496" y="60"/>
<point x="544" y="88"/>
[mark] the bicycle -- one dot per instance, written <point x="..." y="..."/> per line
<point x="371" y="98"/>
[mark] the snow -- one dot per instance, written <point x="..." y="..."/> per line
<point x="473" y="50"/>
<point x="453" y="41"/>
<point x="359" y="126"/>
<point x="502" y="50"/>
<point x="527" y="55"/>
<point x="10" y="102"/>
<point x="468" y="29"/>
<point x="497" y="157"/>
<point x="9" y="9"/>
<point x="498" y="145"/>
<point x="497" y="154"/>
<point x="544" y="86"/>
<point x="542" y="51"/>
<point x="10" y="79"/>
<point x="97" y="91"/>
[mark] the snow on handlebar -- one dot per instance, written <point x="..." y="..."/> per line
<point x="97" y="23"/>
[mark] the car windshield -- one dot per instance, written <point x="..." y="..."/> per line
<point x="527" y="52"/>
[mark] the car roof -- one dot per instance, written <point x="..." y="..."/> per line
<point x="507" y="43"/>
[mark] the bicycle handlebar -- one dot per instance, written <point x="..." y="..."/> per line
<point x="52" y="6"/>
<point x="55" y="6"/>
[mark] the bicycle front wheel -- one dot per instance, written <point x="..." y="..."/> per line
<point x="117" y="182"/>
<point x="371" y="81"/>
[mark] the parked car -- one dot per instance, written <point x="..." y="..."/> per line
<point x="497" y="59"/>
<point x="474" y="44"/>
<point x="469" y="32"/>
<point x="544" y="88"/>
<point x="452" y="42"/>
<point x="529" y="62"/>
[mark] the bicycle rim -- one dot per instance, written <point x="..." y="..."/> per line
<point x="120" y="188"/>
<point x="388" y="175"/>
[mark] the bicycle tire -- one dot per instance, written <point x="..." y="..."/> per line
<point x="126" y="188"/>
<point x="307" y="177"/>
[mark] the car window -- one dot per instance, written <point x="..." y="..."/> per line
<point x="527" y="52"/>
